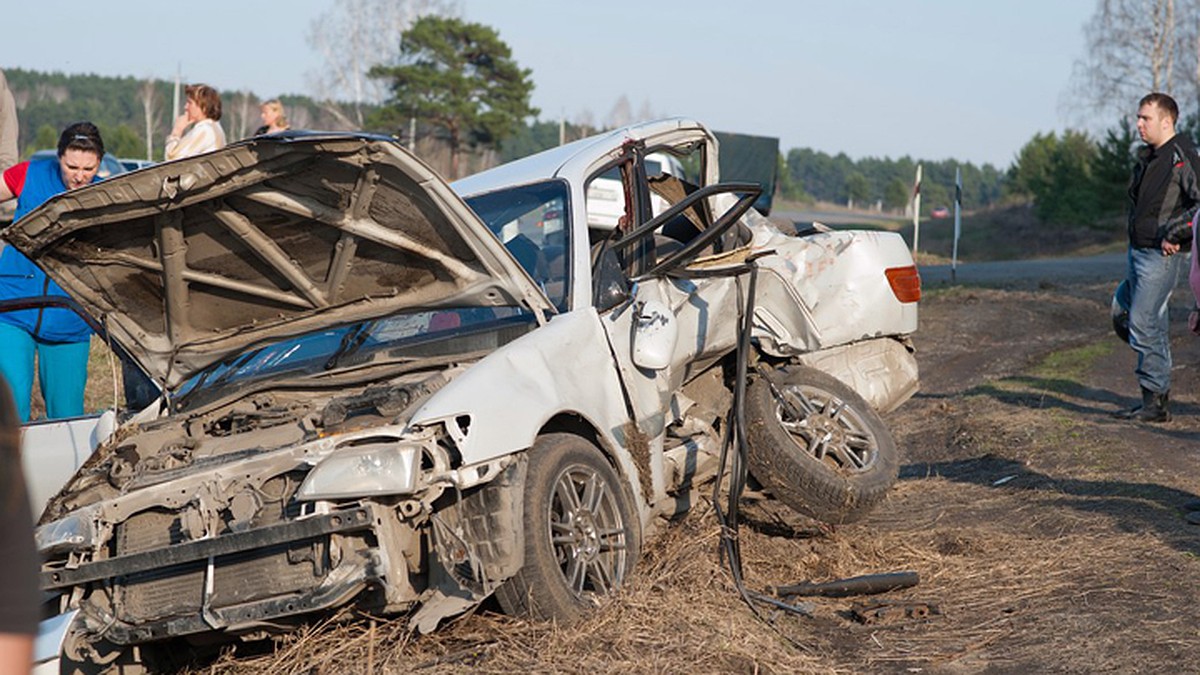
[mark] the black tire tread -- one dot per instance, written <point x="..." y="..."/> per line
<point x="537" y="590"/>
<point x="802" y="482"/>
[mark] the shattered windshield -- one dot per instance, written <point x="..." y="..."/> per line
<point x="533" y="223"/>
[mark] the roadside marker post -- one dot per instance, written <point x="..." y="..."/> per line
<point x="917" y="212"/>
<point x="957" y="223"/>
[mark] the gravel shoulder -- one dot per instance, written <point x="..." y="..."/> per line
<point x="1048" y="536"/>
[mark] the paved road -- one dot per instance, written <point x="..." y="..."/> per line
<point x="1106" y="267"/>
<point x="1109" y="266"/>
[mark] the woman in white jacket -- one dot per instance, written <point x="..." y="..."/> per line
<point x="196" y="130"/>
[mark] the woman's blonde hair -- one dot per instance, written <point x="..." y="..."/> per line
<point x="275" y="106"/>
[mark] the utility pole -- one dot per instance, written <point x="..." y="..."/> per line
<point x="917" y="212"/>
<point x="149" y="91"/>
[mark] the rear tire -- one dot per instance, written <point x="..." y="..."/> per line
<point x="826" y="453"/>
<point x="582" y="534"/>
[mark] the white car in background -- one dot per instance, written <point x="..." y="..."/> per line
<point x="606" y="193"/>
<point x="384" y="392"/>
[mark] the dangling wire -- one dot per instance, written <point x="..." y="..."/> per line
<point x="735" y="456"/>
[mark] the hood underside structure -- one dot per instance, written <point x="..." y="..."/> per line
<point x="189" y="262"/>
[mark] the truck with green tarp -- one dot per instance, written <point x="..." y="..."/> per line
<point x="747" y="158"/>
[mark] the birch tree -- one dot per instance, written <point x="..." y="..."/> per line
<point x="151" y="100"/>
<point x="621" y="113"/>
<point x="1133" y="47"/>
<point x="241" y="115"/>
<point x="357" y="35"/>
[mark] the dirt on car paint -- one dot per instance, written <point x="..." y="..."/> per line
<point x="1048" y="536"/>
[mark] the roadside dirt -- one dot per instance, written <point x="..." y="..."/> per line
<point x="1048" y="536"/>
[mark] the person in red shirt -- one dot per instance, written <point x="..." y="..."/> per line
<point x="58" y="337"/>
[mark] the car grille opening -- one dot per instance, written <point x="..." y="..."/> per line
<point x="238" y="578"/>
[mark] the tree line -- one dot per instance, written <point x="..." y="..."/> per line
<point x="134" y="116"/>
<point x="452" y="92"/>
<point x="884" y="182"/>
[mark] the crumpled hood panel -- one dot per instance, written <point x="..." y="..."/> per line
<point x="195" y="260"/>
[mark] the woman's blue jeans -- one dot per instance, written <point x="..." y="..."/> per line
<point x="62" y="371"/>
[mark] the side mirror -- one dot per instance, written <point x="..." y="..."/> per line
<point x="610" y="286"/>
<point x="655" y="332"/>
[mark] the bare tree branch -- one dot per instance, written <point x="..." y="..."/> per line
<point x="1134" y="47"/>
<point x="355" y="35"/>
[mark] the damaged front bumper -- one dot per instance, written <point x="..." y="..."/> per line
<point x="438" y="557"/>
<point x="197" y="575"/>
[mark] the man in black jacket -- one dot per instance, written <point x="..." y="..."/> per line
<point x="1164" y="195"/>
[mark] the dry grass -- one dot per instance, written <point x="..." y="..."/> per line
<point x="1004" y="572"/>
<point x="1046" y="535"/>
<point x="103" y="382"/>
<point x="679" y="613"/>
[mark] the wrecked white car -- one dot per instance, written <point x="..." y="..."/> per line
<point x="385" y="392"/>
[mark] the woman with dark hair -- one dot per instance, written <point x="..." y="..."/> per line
<point x="58" y="337"/>
<point x="196" y="130"/>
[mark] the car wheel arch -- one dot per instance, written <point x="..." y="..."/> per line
<point x="582" y="533"/>
<point x="621" y="459"/>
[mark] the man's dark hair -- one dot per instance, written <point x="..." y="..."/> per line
<point x="81" y="136"/>
<point x="1164" y="102"/>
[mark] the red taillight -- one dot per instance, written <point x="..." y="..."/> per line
<point x="905" y="283"/>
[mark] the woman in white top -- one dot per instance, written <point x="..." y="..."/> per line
<point x="196" y="130"/>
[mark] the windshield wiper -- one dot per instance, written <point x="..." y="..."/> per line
<point x="351" y="342"/>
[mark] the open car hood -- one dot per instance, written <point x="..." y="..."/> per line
<point x="191" y="261"/>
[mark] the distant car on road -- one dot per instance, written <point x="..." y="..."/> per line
<point x="134" y="164"/>
<point x="606" y="200"/>
<point x="940" y="212"/>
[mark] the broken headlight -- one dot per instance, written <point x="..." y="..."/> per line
<point x="377" y="469"/>
<point x="76" y="532"/>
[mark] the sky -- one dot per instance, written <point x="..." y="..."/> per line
<point x="931" y="79"/>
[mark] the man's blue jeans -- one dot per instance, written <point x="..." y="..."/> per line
<point x="1152" y="276"/>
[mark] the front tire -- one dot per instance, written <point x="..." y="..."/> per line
<point x="582" y="534"/>
<point x="817" y="445"/>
